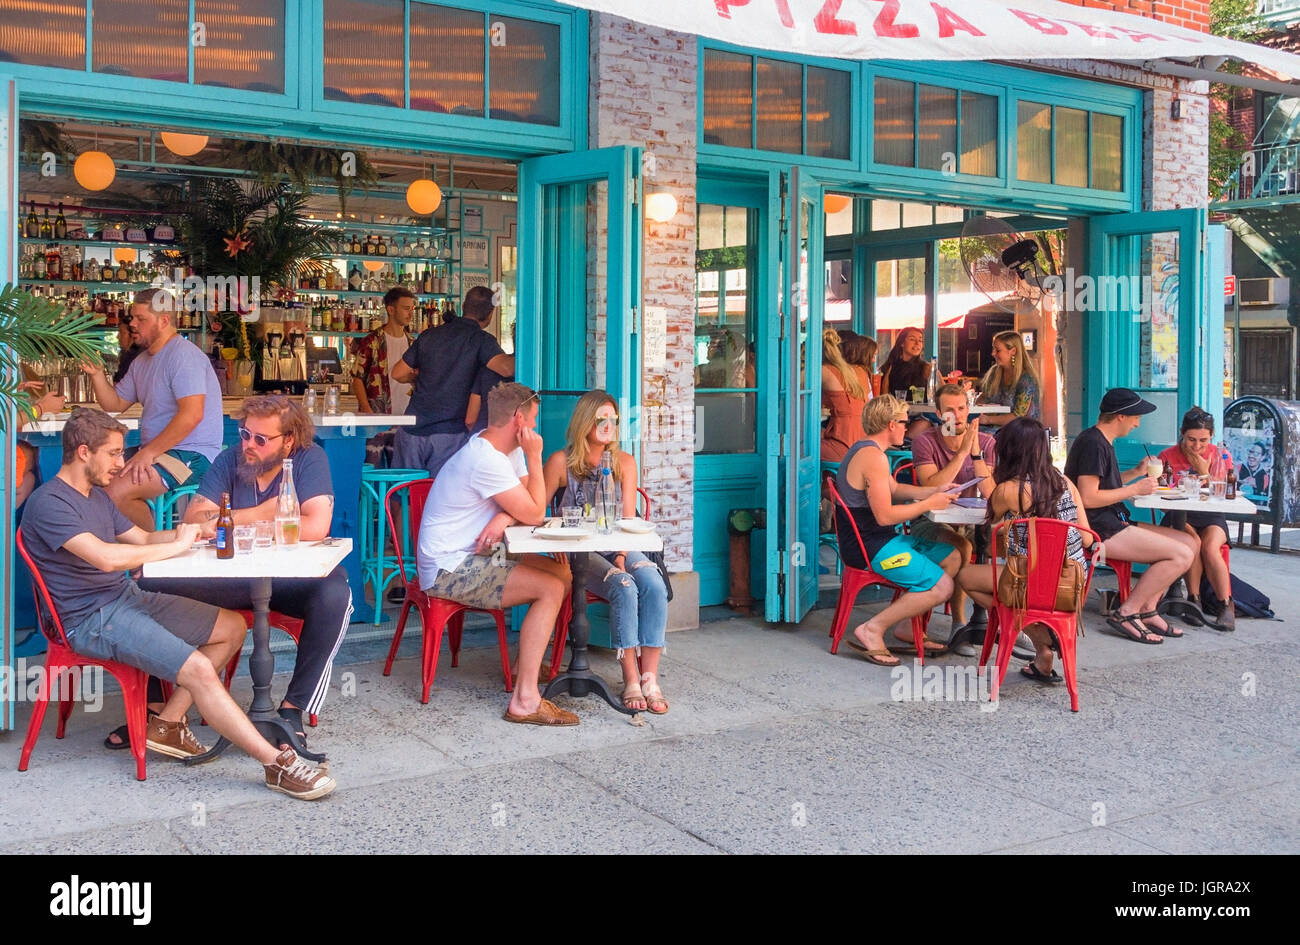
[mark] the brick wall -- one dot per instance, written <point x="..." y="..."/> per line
<point x="643" y="93"/>
<point x="1191" y="14"/>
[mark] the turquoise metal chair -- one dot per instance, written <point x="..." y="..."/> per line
<point x="164" y="506"/>
<point x="379" y="568"/>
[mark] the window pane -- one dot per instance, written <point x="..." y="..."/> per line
<point x="1107" y="152"/>
<point x="709" y="227"/>
<point x="524" y="71"/>
<point x="840" y="222"/>
<point x="885" y="214"/>
<point x="28" y="39"/>
<point x="146" y="40"/>
<point x="1071" y="147"/>
<point x="363" y="52"/>
<point x="946" y="214"/>
<point x="830" y="111"/>
<point x="725" y="351"/>
<point x="979" y="134"/>
<point x="1034" y="142"/>
<point x="839" y="291"/>
<point x="728" y="99"/>
<point x="446" y="60"/>
<point x="917" y="214"/>
<point x="937" y="137"/>
<point x="245" y="45"/>
<point x="780" y="106"/>
<point x="1158" y="311"/>
<point x="894" y="124"/>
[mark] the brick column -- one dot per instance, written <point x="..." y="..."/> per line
<point x="643" y="93"/>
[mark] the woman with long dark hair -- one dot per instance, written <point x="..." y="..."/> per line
<point x="905" y="367"/>
<point x="1028" y="485"/>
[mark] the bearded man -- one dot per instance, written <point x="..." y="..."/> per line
<point x="273" y="429"/>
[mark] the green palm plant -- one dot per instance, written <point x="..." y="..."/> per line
<point x="33" y="328"/>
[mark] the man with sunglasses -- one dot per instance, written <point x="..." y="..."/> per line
<point x="495" y="480"/>
<point x="180" y="400"/>
<point x="272" y="429"/>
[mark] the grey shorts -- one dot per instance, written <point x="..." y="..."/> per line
<point x="150" y="631"/>
<point x="425" y="452"/>
<point x="478" y="581"/>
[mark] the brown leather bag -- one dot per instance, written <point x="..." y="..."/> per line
<point x="1013" y="581"/>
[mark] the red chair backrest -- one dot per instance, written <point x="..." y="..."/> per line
<point x="902" y="466"/>
<point x="46" y="614"/>
<point x="835" y="495"/>
<point x="418" y="495"/>
<point x="1052" y="535"/>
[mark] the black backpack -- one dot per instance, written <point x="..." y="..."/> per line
<point x="1248" y="601"/>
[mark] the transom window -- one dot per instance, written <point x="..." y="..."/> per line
<point x="776" y="105"/>
<point x="1069" y="146"/>
<point x="935" y="128"/>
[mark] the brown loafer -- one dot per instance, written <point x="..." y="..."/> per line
<point x="548" y="713"/>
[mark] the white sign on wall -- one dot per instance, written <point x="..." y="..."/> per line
<point x="654" y="339"/>
<point x="474" y="252"/>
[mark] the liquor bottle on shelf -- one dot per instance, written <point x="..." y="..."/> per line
<point x="354" y="279"/>
<point x="60" y="225"/>
<point x="322" y="281"/>
<point x="46" y="229"/>
<point x="90" y="271"/>
<point x="426" y="281"/>
<point x="382" y="246"/>
<point x="53" y="262"/>
<point x="38" y="266"/>
<point x="121" y="274"/>
<point x="33" y="225"/>
<point x="371" y="249"/>
<point x="356" y="245"/>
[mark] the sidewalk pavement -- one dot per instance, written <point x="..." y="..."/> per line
<point x="772" y="745"/>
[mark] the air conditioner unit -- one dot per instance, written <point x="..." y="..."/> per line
<point x="1276" y="291"/>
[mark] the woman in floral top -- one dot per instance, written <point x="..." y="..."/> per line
<point x="1011" y="382"/>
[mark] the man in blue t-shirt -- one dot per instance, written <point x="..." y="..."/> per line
<point x="180" y="418"/>
<point x="443" y="363"/>
<point x="83" y="548"/>
<point x="273" y="429"/>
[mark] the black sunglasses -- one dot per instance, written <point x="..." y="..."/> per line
<point x="260" y="439"/>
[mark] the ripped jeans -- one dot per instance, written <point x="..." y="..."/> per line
<point x="638" y="600"/>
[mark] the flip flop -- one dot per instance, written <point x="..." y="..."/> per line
<point x="1031" y="671"/>
<point x="932" y="647"/>
<point x="123" y="735"/>
<point x="875" y="656"/>
<point x="548" y="713"/>
<point x="1123" y="626"/>
<point x="1168" y="631"/>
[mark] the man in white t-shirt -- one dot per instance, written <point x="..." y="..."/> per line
<point x="495" y="480"/>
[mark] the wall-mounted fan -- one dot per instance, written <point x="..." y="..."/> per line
<point x="1001" y="263"/>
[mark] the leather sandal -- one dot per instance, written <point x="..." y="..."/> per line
<point x="632" y="695"/>
<point x="654" y="696"/>
<point x="1168" y="631"/>
<point x="1129" y="627"/>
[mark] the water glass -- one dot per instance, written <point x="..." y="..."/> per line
<point x="263" y="534"/>
<point x="332" y="402"/>
<point x="244" y="537"/>
<point x="1218" y="489"/>
<point x="1191" y="484"/>
<point x="286" y="530"/>
<point x="572" y="516"/>
<point x="900" y="395"/>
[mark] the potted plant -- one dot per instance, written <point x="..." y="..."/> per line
<point x="32" y="329"/>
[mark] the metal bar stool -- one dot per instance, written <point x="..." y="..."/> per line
<point x="378" y="567"/>
<point x="164" y="506"/>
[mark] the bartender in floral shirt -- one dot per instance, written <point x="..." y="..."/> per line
<point x="374" y="357"/>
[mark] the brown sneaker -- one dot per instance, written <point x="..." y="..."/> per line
<point x="173" y="739"/>
<point x="295" y="777"/>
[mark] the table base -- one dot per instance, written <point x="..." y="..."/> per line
<point x="582" y="683"/>
<point x="578" y="680"/>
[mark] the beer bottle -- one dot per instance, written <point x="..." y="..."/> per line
<point x="1231" y="492"/>
<point x="1166" y="476"/>
<point x="225" y="529"/>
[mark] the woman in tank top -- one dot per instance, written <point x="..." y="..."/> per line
<point x="1028" y="485"/>
<point x="631" y="582"/>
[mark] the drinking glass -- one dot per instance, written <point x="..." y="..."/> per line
<point x="1154" y="468"/>
<point x="1191" y="484"/>
<point x="263" y="534"/>
<point x="286" y="530"/>
<point x="332" y="402"/>
<point x="1218" y="489"/>
<point x="244" y="538"/>
<point x="572" y="516"/>
<point x="900" y="395"/>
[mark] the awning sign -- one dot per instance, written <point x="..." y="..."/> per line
<point x="930" y="30"/>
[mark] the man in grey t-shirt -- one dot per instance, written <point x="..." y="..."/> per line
<point x="180" y="420"/>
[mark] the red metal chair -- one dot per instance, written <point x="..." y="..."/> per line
<point x="279" y="621"/>
<point x="1044" y="571"/>
<point x="60" y="660"/>
<point x="854" y="580"/>
<point x="565" y="616"/>
<point x="435" y="612"/>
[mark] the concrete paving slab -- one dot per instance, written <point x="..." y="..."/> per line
<point x="1249" y="821"/>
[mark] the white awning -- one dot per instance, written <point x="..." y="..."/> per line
<point x="949" y="30"/>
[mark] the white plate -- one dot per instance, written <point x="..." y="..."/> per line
<point x="563" y="534"/>
<point x="638" y="526"/>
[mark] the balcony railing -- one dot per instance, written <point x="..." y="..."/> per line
<point x="1265" y="173"/>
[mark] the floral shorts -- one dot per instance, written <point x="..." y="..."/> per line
<point x="478" y="581"/>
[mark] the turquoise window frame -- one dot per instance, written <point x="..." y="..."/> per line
<point x="1009" y="84"/>
<point x="727" y="153"/>
<point x="301" y="111"/>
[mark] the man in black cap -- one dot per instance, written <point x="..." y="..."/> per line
<point x="1094" y="468"/>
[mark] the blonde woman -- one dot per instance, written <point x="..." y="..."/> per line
<point x="1011" y="382"/>
<point x="846" y="388"/>
<point x="631" y="582"/>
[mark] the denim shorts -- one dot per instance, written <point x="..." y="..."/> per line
<point x="150" y="631"/>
